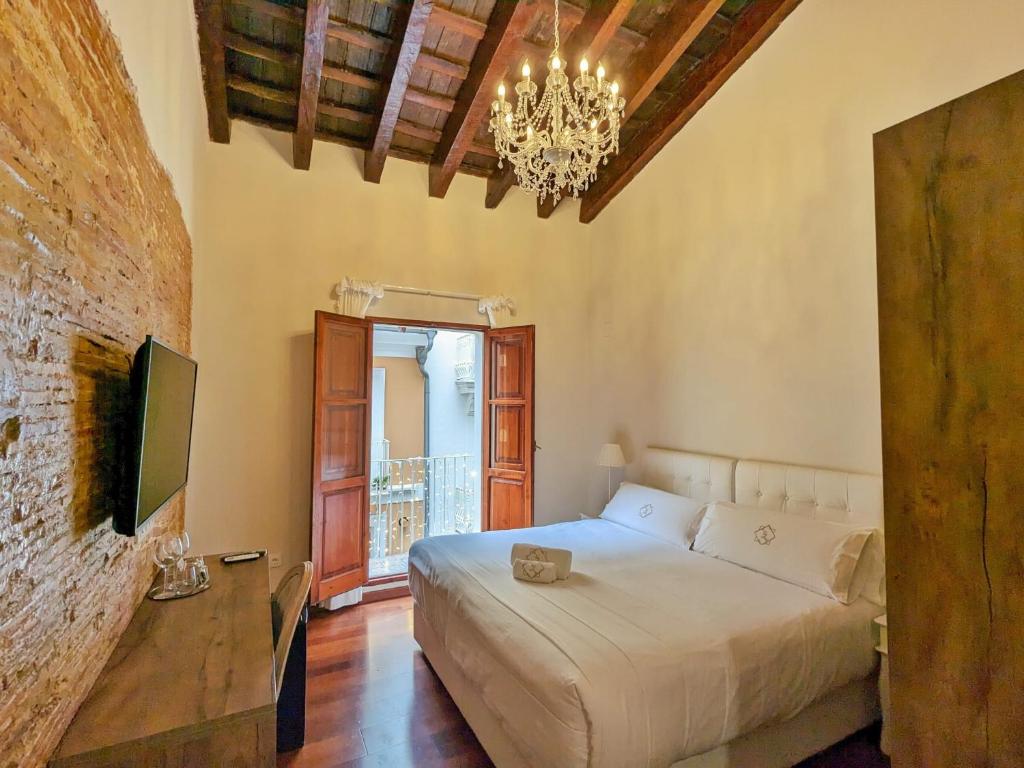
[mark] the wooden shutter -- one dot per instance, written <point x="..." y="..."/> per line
<point x="508" y="428"/>
<point x="341" y="453"/>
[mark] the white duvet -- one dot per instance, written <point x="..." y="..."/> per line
<point x="646" y="655"/>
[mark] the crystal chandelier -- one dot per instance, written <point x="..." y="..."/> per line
<point x="556" y="143"/>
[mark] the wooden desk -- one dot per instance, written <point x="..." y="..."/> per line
<point x="190" y="683"/>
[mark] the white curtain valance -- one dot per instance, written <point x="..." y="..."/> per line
<point x="356" y="296"/>
<point x="499" y="310"/>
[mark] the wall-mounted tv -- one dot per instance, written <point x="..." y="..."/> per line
<point x="163" y="384"/>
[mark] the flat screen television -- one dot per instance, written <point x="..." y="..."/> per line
<point x="163" y="385"/>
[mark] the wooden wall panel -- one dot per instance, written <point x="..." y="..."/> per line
<point x="344" y="531"/>
<point x="508" y="368"/>
<point x="345" y="362"/>
<point x="950" y="219"/>
<point x="343" y="454"/>
<point x="507" y="500"/>
<point x="509" y="448"/>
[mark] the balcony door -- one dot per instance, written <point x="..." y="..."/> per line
<point x="419" y="430"/>
<point x="343" y="350"/>
<point x="508" y="428"/>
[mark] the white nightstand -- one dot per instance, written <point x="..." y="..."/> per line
<point x="883" y="679"/>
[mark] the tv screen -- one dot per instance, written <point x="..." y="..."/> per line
<point x="163" y="390"/>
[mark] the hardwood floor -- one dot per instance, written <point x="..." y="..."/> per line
<point x="372" y="700"/>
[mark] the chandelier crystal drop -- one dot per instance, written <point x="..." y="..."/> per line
<point x="556" y="143"/>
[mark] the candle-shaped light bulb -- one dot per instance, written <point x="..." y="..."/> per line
<point x="556" y="63"/>
<point x="600" y="72"/>
<point x="615" y="88"/>
<point x="593" y="122"/>
<point x="529" y="133"/>
<point x="526" y="70"/>
<point x="584" y="66"/>
<point x="501" y="91"/>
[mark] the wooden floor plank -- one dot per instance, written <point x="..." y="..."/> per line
<point x="372" y="701"/>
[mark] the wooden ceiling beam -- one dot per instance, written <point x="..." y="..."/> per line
<point x="290" y="13"/>
<point x="288" y="98"/>
<point x="262" y="91"/>
<point x="673" y="36"/>
<point x="746" y="35"/>
<point x="442" y="66"/>
<point x="575" y="15"/>
<point x="591" y="36"/>
<point x="313" y="47"/>
<point x="361" y="38"/>
<point x="285" y="126"/>
<point x="242" y="44"/>
<point x="433" y="100"/>
<point x="210" y="25"/>
<point x="456" y="22"/>
<point x="596" y="29"/>
<point x="409" y="26"/>
<point x="337" y="30"/>
<point x="350" y="76"/>
<point x="493" y="56"/>
<point x="357" y="36"/>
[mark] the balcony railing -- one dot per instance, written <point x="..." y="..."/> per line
<point x="413" y="498"/>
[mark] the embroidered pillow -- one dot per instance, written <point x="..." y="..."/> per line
<point x="818" y="555"/>
<point x="657" y="513"/>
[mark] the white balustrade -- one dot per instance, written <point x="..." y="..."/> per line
<point x="418" y="497"/>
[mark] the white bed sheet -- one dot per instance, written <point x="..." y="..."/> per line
<point x="646" y="655"/>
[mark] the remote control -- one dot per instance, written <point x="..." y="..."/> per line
<point x="241" y="557"/>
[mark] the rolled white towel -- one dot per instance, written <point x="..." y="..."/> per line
<point x="535" y="571"/>
<point x="562" y="558"/>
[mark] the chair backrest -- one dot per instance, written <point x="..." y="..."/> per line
<point x="285" y="608"/>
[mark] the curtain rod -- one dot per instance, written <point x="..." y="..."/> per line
<point x="428" y="292"/>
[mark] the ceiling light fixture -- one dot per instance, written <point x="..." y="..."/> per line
<point x="556" y="143"/>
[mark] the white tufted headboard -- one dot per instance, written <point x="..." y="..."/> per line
<point x="843" y="497"/>
<point x="697" y="475"/>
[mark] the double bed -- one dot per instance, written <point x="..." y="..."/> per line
<point x="649" y="654"/>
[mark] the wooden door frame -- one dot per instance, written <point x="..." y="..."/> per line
<point x="437" y="325"/>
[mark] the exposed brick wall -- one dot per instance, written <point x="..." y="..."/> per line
<point x="93" y="255"/>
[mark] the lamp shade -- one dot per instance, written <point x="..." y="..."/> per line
<point x="611" y="456"/>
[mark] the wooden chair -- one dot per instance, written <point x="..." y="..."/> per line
<point x="286" y="607"/>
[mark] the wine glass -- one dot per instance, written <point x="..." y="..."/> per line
<point x="166" y="554"/>
<point x="182" y="564"/>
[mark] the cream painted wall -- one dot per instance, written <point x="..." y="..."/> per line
<point x="160" y="49"/>
<point x="744" y="255"/>
<point x="271" y="242"/>
<point x="403" y="405"/>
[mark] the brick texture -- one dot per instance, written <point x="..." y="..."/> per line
<point x="94" y="255"/>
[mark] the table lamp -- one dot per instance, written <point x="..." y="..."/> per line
<point x="610" y="457"/>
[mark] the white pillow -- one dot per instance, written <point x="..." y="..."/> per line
<point x="818" y="555"/>
<point x="657" y="513"/>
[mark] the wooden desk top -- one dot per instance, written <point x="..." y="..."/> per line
<point x="183" y="665"/>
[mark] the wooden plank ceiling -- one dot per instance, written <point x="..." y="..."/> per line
<point x="414" y="79"/>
